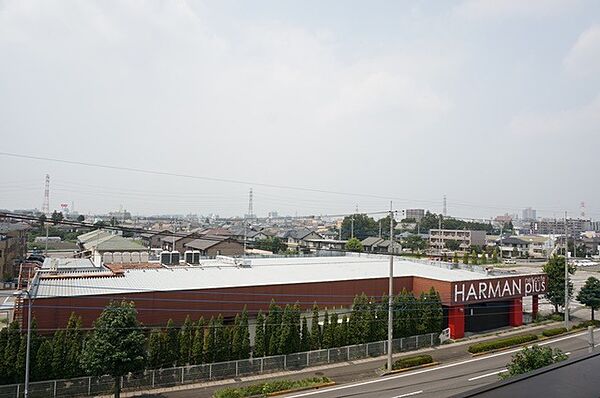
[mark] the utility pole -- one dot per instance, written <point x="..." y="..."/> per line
<point x="391" y="293"/>
<point x="591" y="339"/>
<point x="380" y="228"/>
<point x="566" y="275"/>
<point x="352" y="227"/>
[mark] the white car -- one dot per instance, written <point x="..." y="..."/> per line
<point x="509" y="261"/>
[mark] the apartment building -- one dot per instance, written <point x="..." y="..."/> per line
<point x="466" y="238"/>
<point x="575" y="226"/>
<point x="13" y="246"/>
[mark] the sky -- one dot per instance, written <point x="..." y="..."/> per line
<point x="495" y="104"/>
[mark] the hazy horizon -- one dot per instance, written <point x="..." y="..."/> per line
<point x="495" y="104"/>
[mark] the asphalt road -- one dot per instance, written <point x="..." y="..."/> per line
<point x="443" y="380"/>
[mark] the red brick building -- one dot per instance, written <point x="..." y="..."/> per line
<point x="472" y="300"/>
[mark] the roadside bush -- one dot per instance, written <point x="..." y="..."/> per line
<point x="262" y="389"/>
<point x="585" y="324"/>
<point x="554" y="332"/>
<point x="501" y="343"/>
<point x="409" y="362"/>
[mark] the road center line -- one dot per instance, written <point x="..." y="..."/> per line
<point x="432" y="369"/>
<point x="409" y="394"/>
<point x="487" y="375"/>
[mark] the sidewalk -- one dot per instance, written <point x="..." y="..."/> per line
<point x="342" y="372"/>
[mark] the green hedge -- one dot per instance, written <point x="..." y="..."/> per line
<point x="409" y="362"/>
<point x="262" y="389"/>
<point x="554" y="332"/>
<point x="585" y="324"/>
<point x="501" y="343"/>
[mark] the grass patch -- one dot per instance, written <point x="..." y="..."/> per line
<point x="501" y="343"/>
<point x="262" y="389"/>
<point x="554" y="332"/>
<point x="412" y="361"/>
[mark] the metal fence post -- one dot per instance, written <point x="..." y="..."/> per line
<point x="431" y="344"/>
<point x="348" y="353"/>
<point x="367" y="350"/>
<point x="90" y="385"/>
<point x="401" y="342"/>
<point x="153" y="375"/>
<point x="284" y="362"/>
<point x="54" y="388"/>
<point x="19" y="390"/>
<point x="328" y="355"/>
<point x="237" y="371"/>
<point x="417" y="342"/>
<point x="182" y="373"/>
<point x="307" y="358"/>
<point x="261" y="364"/>
<point x="210" y="371"/>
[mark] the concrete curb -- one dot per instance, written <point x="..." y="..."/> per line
<point x="291" y="390"/>
<point x="393" y="372"/>
<point x="533" y="342"/>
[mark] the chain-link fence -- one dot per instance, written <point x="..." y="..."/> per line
<point x="93" y="386"/>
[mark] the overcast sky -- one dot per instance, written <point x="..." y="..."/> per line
<point x="495" y="104"/>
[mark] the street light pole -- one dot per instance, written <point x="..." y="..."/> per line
<point x="26" y="394"/>
<point x="390" y="293"/>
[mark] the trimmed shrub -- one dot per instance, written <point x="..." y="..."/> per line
<point x="585" y="324"/>
<point x="409" y="362"/>
<point x="501" y="343"/>
<point x="554" y="332"/>
<point x="262" y="389"/>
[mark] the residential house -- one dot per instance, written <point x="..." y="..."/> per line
<point x="374" y="244"/>
<point x="296" y="239"/>
<point x="465" y="238"/>
<point x="153" y="239"/>
<point x="213" y="245"/>
<point x="513" y="247"/>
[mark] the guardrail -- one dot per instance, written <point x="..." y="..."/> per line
<point x="170" y="377"/>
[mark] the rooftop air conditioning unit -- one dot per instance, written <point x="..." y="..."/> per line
<point x="192" y="257"/>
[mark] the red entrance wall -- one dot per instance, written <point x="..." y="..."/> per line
<point x="515" y="317"/>
<point x="534" y="305"/>
<point x="456" y="321"/>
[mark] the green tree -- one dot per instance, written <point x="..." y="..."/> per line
<point x="81" y="218"/>
<point x="198" y="343"/>
<point x="306" y="338"/>
<point x="435" y="318"/>
<point x="532" y="358"/>
<point x="171" y="345"/>
<point x="415" y="243"/>
<point x="589" y="295"/>
<point x="452" y="244"/>
<point x="42" y="221"/>
<point x="315" y="329"/>
<point x="343" y="332"/>
<point x="364" y="226"/>
<point x="475" y="257"/>
<point x="259" y="336"/>
<point x="273" y="329"/>
<point x="244" y="335"/>
<point x="21" y="353"/>
<point x="117" y="344"/>
<point x="495" y="255"/>
<point x="56" y="217"/>
<point x="41" y="369"/>
<point x="555" y="292"/>
<point x="484" y="259"/>
<point x="466" y="258"/>
<point x="73" y="347"/>
<point x="236" y="338"/>
<point x="334" y="329"/>
<point x="209" y="341"/>
<point x="455" y="258"/>
<point x="272" y="244"/>
<point x="385" y="226"/>
<point x="287" y="330"/>
<point x="13" y="341"/>
<point x="354" y="245"/>
<point x="155" y="345"/>
<point x="222" y="340"/>
<point x="186" y="338"/>
<point x="327" y="337"/>
<point x="59" y="354"/>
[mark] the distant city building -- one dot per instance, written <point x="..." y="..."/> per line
<point x="529" y="214"/>
<point x="504" y="219"/>
<point x="575" y="226"/>
<point x="120" y="215"/>
<point x="273" y="214"/>
<point x="439" y="237"/>
<point x="415" y="214"/>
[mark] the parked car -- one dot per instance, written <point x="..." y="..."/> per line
<point x="509" y="261"/>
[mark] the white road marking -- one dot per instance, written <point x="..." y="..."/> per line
<point x="487" y="375"/>
<point x="409" y="394"/>
<point x="432" y="369"/>
<point x="567" y="353"/>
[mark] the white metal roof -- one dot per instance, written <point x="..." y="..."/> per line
<point x="263" y="271"/>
